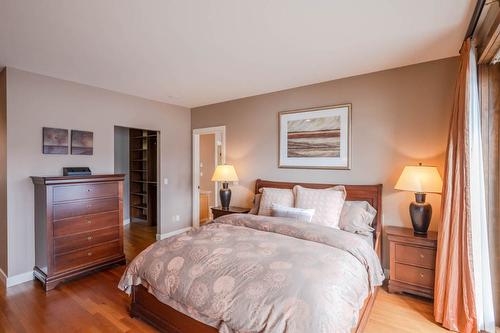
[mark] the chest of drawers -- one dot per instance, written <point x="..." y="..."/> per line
<point x="412" y="261"/>
<point x="78" y="226"/>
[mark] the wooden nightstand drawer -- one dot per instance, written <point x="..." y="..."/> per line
<point x="414" y="275"/>
<point x="416" y="256"/>
<point x="412" y="261"/>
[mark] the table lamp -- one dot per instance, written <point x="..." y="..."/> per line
<point x="225" y="173"/>
<point x="421" y="180"/>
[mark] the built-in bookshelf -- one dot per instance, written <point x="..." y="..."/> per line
<point x="143" y="176"/>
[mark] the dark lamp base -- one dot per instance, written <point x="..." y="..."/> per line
<point x="420" y="213"/>
<point x="225" y="196"/>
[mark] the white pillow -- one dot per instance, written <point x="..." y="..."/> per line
<point x="299" y="214"/>
<point x="357" y="217"/>
<point x="327" y="204"/>
<point x="278" y="196"/>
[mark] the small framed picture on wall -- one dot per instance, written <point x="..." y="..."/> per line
<point x="82" y="142"/>
<point x="55" y="141"/>
<point x="317" y="138"/>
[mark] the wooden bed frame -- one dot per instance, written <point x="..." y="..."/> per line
<point x="163" y="317"/>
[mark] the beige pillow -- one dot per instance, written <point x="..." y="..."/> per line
<point x="278" y="196"/>
<point x="256" y="204"/>
<point x="357" y="217"/>
<point x="327" y="204"/>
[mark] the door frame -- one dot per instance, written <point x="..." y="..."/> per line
<point x="220" y="141"/>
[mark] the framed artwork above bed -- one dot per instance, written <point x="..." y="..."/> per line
<point x="317" y="138"/>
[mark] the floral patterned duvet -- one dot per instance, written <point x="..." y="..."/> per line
<point x="247" y="273"/>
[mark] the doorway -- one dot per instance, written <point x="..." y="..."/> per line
<point x="208" y="151"/>
<point x="136" y="154"/>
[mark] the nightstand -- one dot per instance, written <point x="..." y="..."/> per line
<point x="412" y="261"/>
<point x="219" y="211"/>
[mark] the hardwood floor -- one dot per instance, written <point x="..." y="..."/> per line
<point x="94" y="304"/>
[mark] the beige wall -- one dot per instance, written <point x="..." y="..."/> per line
<point x="34" y="101"/>
<point x="399" y="116"/>
<point x="207" y="159"/>
<point x="3" y="171"/>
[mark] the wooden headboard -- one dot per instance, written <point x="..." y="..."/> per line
<point x="370" y="193"/>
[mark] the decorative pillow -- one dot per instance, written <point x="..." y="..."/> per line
<point x="357" y="217"/>
<point x="278" y="196"/>
<point x="340" y="188"/>
<point x="327" y="204"/>
<point x="299" y="214"/>
<point x="256" y="204"/>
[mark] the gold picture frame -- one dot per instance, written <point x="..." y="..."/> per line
<point x="315" y="138"/>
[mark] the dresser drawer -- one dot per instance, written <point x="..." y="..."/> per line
<point x="414" y="275"/>
<point x="84" y="191"/>
<point x="86" y="256"/>
<point x="84" y="207"/>
<point x="85" y="223"/>
<point x="85" y="239"/>
<point x="418" y="256"/>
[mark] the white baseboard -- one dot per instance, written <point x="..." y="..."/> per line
<point x="126" y="221"/>
<point x="172" y="233"/>
<point x="9" y="281"/>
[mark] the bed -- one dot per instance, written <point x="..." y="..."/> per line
<point x="158" y="299"/>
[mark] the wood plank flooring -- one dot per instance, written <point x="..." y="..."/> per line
<point x="94" y="304"/>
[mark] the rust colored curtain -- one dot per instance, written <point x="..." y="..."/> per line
<point x="454" y="298"/>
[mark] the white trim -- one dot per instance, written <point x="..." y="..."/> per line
<point x="172" y="233"/>
<point x="220" y="132"/>
<point x="16" y="279"/>
<point x="126" y="221"/>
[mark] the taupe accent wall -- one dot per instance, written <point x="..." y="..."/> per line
<point x="34" y="101"/>
<point x="399" y="117"/>
<point x="3" y="171"/>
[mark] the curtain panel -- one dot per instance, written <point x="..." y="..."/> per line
<point x="463" y="300"/>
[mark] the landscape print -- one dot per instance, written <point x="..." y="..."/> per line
<point x="82" y="143"/>
<point x="55" y="140"/>
<point x="316" y="137"/>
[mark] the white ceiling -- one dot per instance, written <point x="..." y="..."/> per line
<point x="194" y="53"/>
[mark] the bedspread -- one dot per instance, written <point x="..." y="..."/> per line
<point x="247" y="273"/>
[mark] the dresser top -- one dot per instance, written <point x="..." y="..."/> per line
<point x="76" y="179"/>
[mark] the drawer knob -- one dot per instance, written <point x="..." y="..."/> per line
<point x="88" y="190"/>
<point x="421" y="275"/>
<point x="89" y="221"/>
<point x="89" y="254"/>
<point x="422" y="256"/>
<point x="89" y="238"/>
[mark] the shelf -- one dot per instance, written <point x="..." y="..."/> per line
<point x="144" y="136"/>
<point x="138" y="170"/>
<point x="141" y="149"/>
<point x="142" y="181"/>
<point x="139" y="193"/>
<point x="139" y="160"/>
<point x="142" y="206"/>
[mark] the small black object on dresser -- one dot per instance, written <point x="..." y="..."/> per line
<point x="76" y="171"/>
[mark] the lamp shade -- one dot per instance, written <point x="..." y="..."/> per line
<point x="225" y="173"/>
<point x="420" y="179"/>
